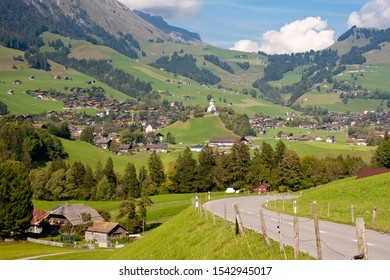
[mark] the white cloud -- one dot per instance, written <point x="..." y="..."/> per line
<point x="375" y="13"/>
<point x="173" y="9"/>
<point x="298" y="36"/>
<point x="246" y="46"/>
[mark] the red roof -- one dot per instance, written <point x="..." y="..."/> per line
<point x="38" y="215"/>
<point x="368" y="171"/>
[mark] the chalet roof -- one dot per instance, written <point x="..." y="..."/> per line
<point x="104" y="227"/>
<point x="368" y="171"/>
<point x="226" y="139"/>
<point x="72" y="212"/>
<point x="38" y="215"/>
<point x="103" y="141"/>
<point x="124" y="146"/>
<point x="157" y="146"/>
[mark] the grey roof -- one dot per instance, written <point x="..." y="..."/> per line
<point x="72" y="212"/>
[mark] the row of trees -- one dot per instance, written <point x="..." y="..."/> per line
<point x="26" y="144"/>
<point x="281" y="168"/>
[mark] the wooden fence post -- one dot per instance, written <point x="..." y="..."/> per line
<point x="317" y="231"/>
<point x="296" y="237"/>
<point x="212" y="209"/>
<point x="239" y="226"/>
<point x="264" y="228"/>
<point x="361" y="238"/>
<point x="353" y="214"/>
<point x="374" y="216"/>
<point x="281" y="246"/>
<point x="224" y="215"/>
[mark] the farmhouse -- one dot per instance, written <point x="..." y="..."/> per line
<point x="163" y="148"/>
<point x="196" y="148"/>
<point x="226" y="142"/>
<point x="286" y="135"/>
<point x="36" y="221"/>
<point x="124" y="148"/>
<point x="330" y="139"/>
<point x="103" y="143"/>
<point x="104" y="232"/>
<point x="72" y="214"/>
<point x="261" y="188"/>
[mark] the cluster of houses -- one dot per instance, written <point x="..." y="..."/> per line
<point x="99" y="231"/>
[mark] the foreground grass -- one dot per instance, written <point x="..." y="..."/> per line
<point x="20" y="250"/>
<point x="188" y="236"/>
<point x="339" y="196"/>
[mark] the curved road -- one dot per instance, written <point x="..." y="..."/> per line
<point x="338" y="241"/>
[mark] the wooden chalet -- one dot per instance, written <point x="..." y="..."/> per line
<point x="71" y="214"/>
<point x="104" y="233"/>
<point x="36" y="221"/>
<point x="226" y="142"/>
<point x="161" y="148"/>
<point x="261" y="188"/>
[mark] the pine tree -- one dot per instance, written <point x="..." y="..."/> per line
<point x="220" y="172"/>
<point x="206" y="164"/>
<point x="184" y="174"/>
<point x="109" y="172"/>
<point x="103" y="190"/>
<point x="279" y="152"/>
<point x="239" y="161"/>
<point x="130" y="182"/>
<point x="267" y="155"/>
<point x="381" y="157"/>
<point x="156" y="169"/>
<point x="290" y="171"/>
<point x="15" y="198"/>
<point x="56" y="185"/>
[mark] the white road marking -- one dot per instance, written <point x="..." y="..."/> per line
<point x="369" y="244"/>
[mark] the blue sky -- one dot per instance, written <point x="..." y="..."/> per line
<point x="270" y="25"/>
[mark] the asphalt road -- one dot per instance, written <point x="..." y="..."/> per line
<point x="338" y="241"/>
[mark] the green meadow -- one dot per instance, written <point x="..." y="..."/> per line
<point x="332" y="102"/>
<point x="22" y="103"/>
<point x="187" y="236"/>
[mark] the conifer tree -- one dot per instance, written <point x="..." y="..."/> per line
<point x="156" y="169"/>
<point x="109" y="172"/>
<point x="184" y="174"/>
<point x="130" y="182"/>
<point x="206" y="161"/>
<point x="103" y="190"/>
<point x="239" y="160"/>
<point x="290" y="171"/>
<point x="15" y="198"/>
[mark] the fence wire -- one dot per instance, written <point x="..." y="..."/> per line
<point x="284" y="222"/>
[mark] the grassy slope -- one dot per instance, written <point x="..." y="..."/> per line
<point x="320" y="149"/>
<point x="363" y="194"/>
<point x="198" y="130"/>
<point x="21" y="103"/>
<point x="187" y="236"/>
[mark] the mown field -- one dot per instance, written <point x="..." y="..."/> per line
<point x="333" y="102"/>
<point x="336" y="199"/>
<point x="22" y="103"/>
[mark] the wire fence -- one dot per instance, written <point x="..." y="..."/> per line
<point x="285" y="228"/>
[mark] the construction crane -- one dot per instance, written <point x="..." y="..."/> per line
<point x="133" y="112"/>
